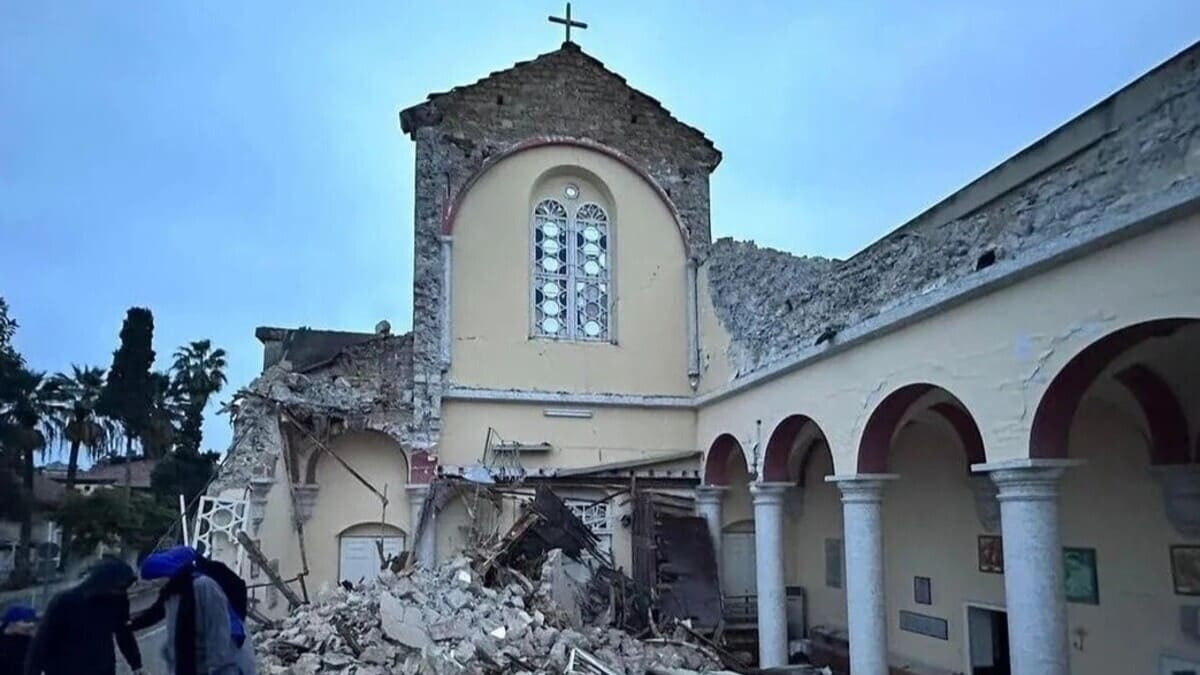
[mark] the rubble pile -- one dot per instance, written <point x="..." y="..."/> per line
<point x="448" y="620"/>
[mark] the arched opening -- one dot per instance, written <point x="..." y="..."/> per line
<point x="936" y="515"/>
<point x="798" y="453"/>
<point x="720" y="462"/>
<point x="725" y="466"/>
<point x="899" y="408"/>
<point x="365" y="548"/>
<point x="1126" y="405"/>
<point x="350" y="476"/>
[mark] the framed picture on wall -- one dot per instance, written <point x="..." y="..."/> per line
<point x="833" y="563"/>
<point x="991" y="554"/>
<point x="922" y="591"/>
<point x="1079" y="576"/>
<point x="1185" y="569"/>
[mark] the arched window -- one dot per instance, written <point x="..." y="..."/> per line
<point x="571" y="298"/>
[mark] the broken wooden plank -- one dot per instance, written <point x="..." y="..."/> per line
<point x="257" y="557"/>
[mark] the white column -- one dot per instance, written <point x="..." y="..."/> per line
<point x="768" y="560"/>
<point x="424" y="547"/>
<point x="708" y="507"/>
<point x="866" y="606"/>
<point x="1033" y="584"/>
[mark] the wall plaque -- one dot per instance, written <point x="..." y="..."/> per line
<point x="923" y="624"/>
<point x="833" y="563"/>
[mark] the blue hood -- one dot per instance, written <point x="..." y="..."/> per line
<point x="168" y="563"/>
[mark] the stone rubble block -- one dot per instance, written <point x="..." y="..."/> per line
<point x="445" y="620"/>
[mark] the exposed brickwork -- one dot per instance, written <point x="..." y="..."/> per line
<point x="563" y="93"/>
<point x="1139" y="147"/>
<point x="359" y="386"/>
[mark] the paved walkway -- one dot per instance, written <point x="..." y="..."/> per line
<point x="151" y="643"/>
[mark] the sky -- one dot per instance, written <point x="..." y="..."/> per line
<point x="239" y="164"/>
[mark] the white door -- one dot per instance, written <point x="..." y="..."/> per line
<point x="359" y="559"/>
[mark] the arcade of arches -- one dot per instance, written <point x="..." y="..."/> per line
<point x="1108" y="492"/>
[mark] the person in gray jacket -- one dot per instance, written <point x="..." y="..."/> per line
<point x="204" y="635"/>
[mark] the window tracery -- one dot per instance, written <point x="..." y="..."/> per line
<point x="571" y="278"/>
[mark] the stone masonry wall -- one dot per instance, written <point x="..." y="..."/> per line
<point x="364" y="386"/>
<point x="563" y="93"/>
<point x="1143" y="148"/>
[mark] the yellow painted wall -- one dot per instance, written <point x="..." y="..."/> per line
<point x="344" y="502"/>
<point x="716" y="370"/>
<point x="931" y="530"/>
<point x="997" y="353"/>
<point x="1112" y="504"/>
<point x="611" y="435"/>
<point x="492" y="248"/>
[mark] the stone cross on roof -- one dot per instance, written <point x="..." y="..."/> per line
<point x="567" y="22"/>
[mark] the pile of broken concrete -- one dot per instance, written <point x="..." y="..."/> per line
<point x="447" y="620"/>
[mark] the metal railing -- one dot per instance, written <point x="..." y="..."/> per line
<point x="741" y="609"/>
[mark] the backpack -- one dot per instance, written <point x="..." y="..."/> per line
<point x="231" y="584"/>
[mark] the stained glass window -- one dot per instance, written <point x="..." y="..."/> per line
<point x="571" y="271"/>
<point x="550" y="269"/>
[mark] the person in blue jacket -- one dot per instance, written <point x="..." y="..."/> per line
<point x="17" y="627"/>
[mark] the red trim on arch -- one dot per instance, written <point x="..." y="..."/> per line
<point x="451" y="211"/>
<point x="1051" y="426"/>
<point x="877" y="436"/>
<point x="1164" y="415"/>
<point x="968" y="432"/>
<point x="884" y="422"/>
<point x="779" y="447"/>
<point x="716" y="464"/>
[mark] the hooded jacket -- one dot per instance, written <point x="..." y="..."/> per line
<point x="15" y="638"/>
<point x="76" y="634"/>
<point x="205" y="634"/>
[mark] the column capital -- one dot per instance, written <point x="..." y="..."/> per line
<point x="705" y="493"/>
<point x="768" y="493"/>
<point x="861" y="487"/>
<point x="417" y="491"/>
<point x="1026" y="479"/>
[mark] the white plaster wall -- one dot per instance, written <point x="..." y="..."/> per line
<point x="819" y="517"/>
<point x="491" y="309"/>
<point x="997" y="353"/>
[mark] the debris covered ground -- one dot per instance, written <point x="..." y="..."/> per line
<point x="447" y="620"/>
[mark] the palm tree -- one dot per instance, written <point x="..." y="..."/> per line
<point x="30" y="421"/>
<point x="199" y="372"/>
<point x="160" y="434"/>
<point x="82" y="426"/>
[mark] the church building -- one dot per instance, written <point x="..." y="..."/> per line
<point x="972" y="447"/>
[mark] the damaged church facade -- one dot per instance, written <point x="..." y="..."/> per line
<point x="974" y="445"/>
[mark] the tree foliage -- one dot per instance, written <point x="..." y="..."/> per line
<point x="106" y="517"/>
<point x="30" y="421"/>
<point x="199" y="373"/>
<point x="183" y="473"/>
<point x="128" y="393"/>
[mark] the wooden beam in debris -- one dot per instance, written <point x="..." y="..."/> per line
<point x="257" y="557"/>
<point x="346" y="465"/>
